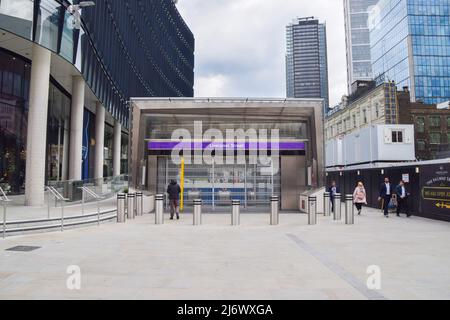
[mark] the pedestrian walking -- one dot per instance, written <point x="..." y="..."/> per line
<point x="386" y="195"/>
<point x="359" y="197"/>
<point x="402" y="199"/>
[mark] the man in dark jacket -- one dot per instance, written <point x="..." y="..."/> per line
<point x="174" y="191"/>
<point x="402" y="199"/>
<point x="333" y="189"/>
<point x="386" y="191"/>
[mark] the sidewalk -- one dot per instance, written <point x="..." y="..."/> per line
<point x="140" y="260"/>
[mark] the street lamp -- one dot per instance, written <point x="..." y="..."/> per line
<point x="74" y="10"/>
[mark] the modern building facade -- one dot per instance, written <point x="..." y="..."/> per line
<point x="410" y="44"/>
<point x="307" y="60"/>
<point x="64" y="112"/>
<point x="357" y="39"/>
<point x="242" y="149"/>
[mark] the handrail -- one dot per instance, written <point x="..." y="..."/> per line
<point x="3" y="196"/>
<point x="95" y="196"/>
<point x="92" y="193"/>
<point x="56" y="194"/>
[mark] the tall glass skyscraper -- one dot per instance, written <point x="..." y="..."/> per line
<point x="306" y="60"/>
<point x="359" y="64"/>
<point x="410" y="44"/>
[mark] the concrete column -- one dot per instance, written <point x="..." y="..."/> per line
<point x="99" y="140"/>
<point x="76" y="128"/>
<point x="116" y="148"/>
<point x="37" y="127"/>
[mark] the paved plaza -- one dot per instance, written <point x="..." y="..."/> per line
<point x="139" y="260"/>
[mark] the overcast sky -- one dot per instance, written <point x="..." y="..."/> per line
<point x="240" y="45"/>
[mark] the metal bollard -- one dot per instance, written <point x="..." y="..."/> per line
<point x="159" y="209"/>
<point x="197" y="212"/>
<point x="349" y="210"/>
<point x="139" y="204"/>
<point x="337" y="207"/>
<point x="130" y="209"/>
<point x="274" y="214"/>
<point x="326" y="204"/>
<point x="121" y="208"/>
<point x="235" y="213"/>
<point x="312" y="210"/>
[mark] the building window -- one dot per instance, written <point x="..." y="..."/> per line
<point x="365" y="116"/>
<point x="420" y="124"/>
<point x="397" y="136"/>
<point x="435" y="121"/>
<point x="448" y="122"/>
<point x="421" y="145"/>
<point x="435" y="138"/>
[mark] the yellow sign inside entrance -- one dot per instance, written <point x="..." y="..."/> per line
<point x="182" y="184"/>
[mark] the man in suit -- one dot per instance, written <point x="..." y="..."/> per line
<point x="386" y="195"/>
<point x="333" y="189"/>
<point x="402" y="199"/>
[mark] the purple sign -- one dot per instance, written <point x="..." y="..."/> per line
<point x="208" y="145"/>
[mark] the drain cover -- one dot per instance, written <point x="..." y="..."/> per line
<point x="23" y="248"/>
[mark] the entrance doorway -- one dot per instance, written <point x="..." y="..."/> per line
<point x="217" y="185"/>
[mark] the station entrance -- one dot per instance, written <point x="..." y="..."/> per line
<point x="217" y="185"/>
<point x="288" y="132"/>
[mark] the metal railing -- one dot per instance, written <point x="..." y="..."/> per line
<point x="61" y="199"/>
<point x="86" y="190"/>
<point x="4" y="199"/>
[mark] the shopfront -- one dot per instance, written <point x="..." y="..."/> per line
<point x="235" y="152"/>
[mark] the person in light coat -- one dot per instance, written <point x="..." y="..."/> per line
<point x="359" y="197"/>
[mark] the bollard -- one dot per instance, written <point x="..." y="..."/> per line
<point x="197" y="212"/>
<point x="130" y="202"/>
<point x="274" y="214"/>
<point x="349" y="210"/>
<point x="235" y="213"/>
<point x="312" y="210"/>
<point x="121" y="207"/>
<point x="337" y="207"/>
<point x="326" y="204"/>
<point x="159" y="209"/>
<point x="139" y="204"/>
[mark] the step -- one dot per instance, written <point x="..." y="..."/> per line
<point x="88" y="220"/>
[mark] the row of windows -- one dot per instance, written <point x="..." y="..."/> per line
<point x="433" y="122"/>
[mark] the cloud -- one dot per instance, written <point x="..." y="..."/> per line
<point x="240" y="44"/>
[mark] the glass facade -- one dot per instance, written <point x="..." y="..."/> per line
<point x="58" y="129"/>
<point x="306" y="60"/>
<point x="124" y="48"/>
<point x="410" y="44"/>
<point x="14" y="89"/>
<point x="217" y="184"/>
<point x="359" y="64"/>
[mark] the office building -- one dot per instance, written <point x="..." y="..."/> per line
<point x="410" y="44"/>
<point x="357" y="38"/>
<point x="65" y="85"/>
<point x="306" y="60"/>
